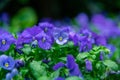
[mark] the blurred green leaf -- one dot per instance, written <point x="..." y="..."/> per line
<point x="26" y="17"/>
<point x="37" y="69"/>
<point x="81" y="56"/>
<point x="73" y="78"/>
<point x="111" y="64"/>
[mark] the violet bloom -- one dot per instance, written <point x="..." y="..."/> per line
<point x="46" y="27"/>
<point x="112" y="49"/>
<point x="85" y="44"/>
<point x="73" y="66"/>
<point x="7" y="62"/>
<point x="6" y="39"/>
<point x="88" y="65"/>
<point x="58" y="65"/>
<point x="82" y="20"/>
<point x="44" y="41"/>
<point x="27" y="36"/>
<point x="61" y="37"/>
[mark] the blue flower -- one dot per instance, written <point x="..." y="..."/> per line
<point x="9" y="76"/>
<point x="88" y="65"/>
<point x="7" y="62"/>
<point x="73" y="66"/>
<point x="61" y="37"/>
<point x="46" y="27"/>
<point x="44" y="41"/>
<point x="58" y="65"/>
<point x="6" y="39"/>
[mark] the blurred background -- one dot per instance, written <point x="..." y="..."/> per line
<point x="19" y="14"/>
<point x="59" y="9"/>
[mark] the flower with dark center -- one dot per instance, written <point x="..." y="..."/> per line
<point x="44" y="41"/>
<point x="7" y="62"/>
<point x="46" y="27"/>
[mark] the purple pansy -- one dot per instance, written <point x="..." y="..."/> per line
<point x="47" y="27"/>
<point x="71" y="65"/>
<point x="7" y="62"/>
<point x="61" y="37"/>
<point x="6" y="39"/>
<point x="101" y="56"/>
<point x="27" y="36"/>
<point x="88" y="65"/>
<point x="44" y="41"/>
<point x="58" y="65"/>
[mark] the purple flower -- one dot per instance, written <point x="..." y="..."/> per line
<point x="46" y="61"/>
<point x="61" y="37"/>
<point x="19" y="63"/>
<point x="6" y="39"/>
<point x="7" y="62"/>
<point x="46" y="27"/>
<point x="88" y="65"/>
<point x="101" y="56"/>
<point x="112" y="49"/>
<point x="70" y="62"/>
<point x="73" y="66"/>
<point x="44" y="41"/>
<point x="85" y="44"/>
<point x="59" y="78"/>
<point x="75" y="71"/>
<point x="58" y="65"/>
<point x="100" y="40"/>
<point x="82" y="20"/>
<point x="27" y="36"/>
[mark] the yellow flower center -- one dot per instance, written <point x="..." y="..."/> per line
<point x="60" y="38"/>
<point x="3" y="42"/>
<point x="6" y="65"/>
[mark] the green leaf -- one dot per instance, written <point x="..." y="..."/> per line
<point x="73" y="78"/>
<point x="43" y="78"/>
<point x="37" y="69"/>
<point x="55" y="74"/>
<point x="111" y="64"/>
<point x="82" y="56"/>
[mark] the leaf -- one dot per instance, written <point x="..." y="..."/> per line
<point x="82" y="56"/>
<point x="43" y="78"/>
<point x="111" y="64"/>
<point x="55" y="74"/>
<point x="37" y="70"/>
<point x="73" y="78"/>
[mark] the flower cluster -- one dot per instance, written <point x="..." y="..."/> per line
<point x="48" y="52"/>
